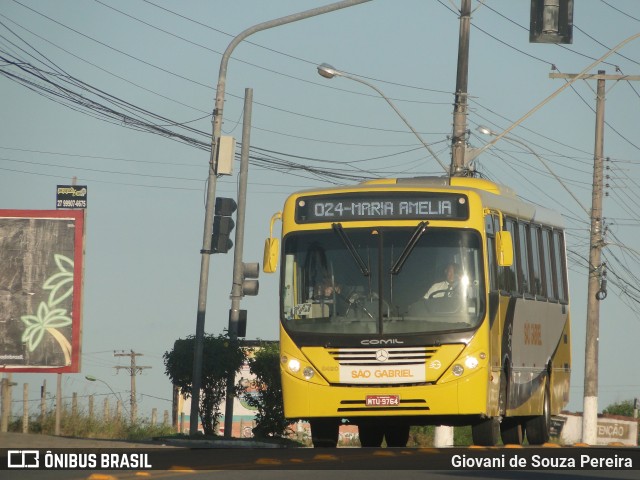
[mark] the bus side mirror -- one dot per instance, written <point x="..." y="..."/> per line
<point x="504" y="248"/>
<point x="271" y="252"/>
<point x="271" y="248"/>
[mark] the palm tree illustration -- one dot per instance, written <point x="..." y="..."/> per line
<point x="50" y="317"/>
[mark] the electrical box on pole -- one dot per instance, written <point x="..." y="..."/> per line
<point x="226" y="155"/>
<point x="551" y="21"/>
<point x="223" y="225"/>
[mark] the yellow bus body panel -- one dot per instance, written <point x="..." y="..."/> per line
<point x="442" y="394"/>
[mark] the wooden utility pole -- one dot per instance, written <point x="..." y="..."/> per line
<point x="43" y="401"/>
<point x="25" y="408"/>
<point x="6" y="402"/>
<point x="58" y="403"/>
<point x="458" y="139"/>
<point x="596" y="242"/>
<point x="133" y="371"/>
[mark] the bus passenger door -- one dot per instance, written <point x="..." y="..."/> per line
<point x="496" y="313"/>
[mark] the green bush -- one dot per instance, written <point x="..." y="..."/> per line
<point x="267" y="395"/>
<point x="222" y="358"/>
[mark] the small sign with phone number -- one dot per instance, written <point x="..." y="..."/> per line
<point x="71" y="196"/>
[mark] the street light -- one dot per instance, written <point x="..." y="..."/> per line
<point x="91" y="378"/>
<point x="327" y="71"/>
<point x="582" y="74"/>
<point x="487" y="131"/>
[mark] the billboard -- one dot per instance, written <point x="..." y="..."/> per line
<point x="41" y="274"/>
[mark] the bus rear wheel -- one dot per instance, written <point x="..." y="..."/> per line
<point x="512" y="431"/>
<point x="538" y="427"/>
<point x="324" y="433"/>
<point x="486" y="433"/>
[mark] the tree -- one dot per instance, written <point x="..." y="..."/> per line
<point x="265" y="365"/>
<point x="220" y="357"/>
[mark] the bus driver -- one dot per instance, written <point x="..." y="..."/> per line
<point x="451" y="282"/>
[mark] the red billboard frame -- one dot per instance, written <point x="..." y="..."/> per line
<point x="78" y="218"/>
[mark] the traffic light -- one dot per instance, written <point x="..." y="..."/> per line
<point x="249" y="286"/>
<point x="238" y="323"/>
<point x="223" y="225"/>
<point x="551" y="21"/>
<point x="250" y="274"/>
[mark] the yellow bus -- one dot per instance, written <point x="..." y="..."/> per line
<point x="422" y="301"/>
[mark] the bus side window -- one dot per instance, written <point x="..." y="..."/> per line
<point x="546" y="264"/>
<point x="560" y="266"/>
<point x="523" y="259"/>
<point x="534" y="257"/>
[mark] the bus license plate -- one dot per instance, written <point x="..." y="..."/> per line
<point x="382" y="400"/>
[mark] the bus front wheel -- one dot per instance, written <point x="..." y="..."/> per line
<point x="324" y="433"/>
<point x="397" y="436"/>
<point x="370" y="435"/>
<point x="486" y="433"/>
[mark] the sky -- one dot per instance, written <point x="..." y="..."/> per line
<point x="155" y="63"/>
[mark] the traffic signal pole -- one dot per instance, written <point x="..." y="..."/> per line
<point x="236" y="288"/>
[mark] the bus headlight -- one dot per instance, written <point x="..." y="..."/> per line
<point x="457" y="370"/>
<point x="294" y="365"/>
<point x="471" y="362"/>
<point x="308" y="373"/>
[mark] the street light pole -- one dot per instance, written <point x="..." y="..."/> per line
<point x="91" y="378"/>
<point x="581" y="75"/>
<point x="327" y="71"/>
<point x="211" y="190"/>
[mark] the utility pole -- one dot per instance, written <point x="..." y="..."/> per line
<point x="590" y="408"/>
<point x="458" y="168"/>
<point x="596" y="242"/>
<point x="5" y="414"/>
<point x="133" y="371"/>
<point x="458" y="139"/>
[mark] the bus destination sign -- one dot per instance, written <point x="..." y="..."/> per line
<point x="381" y="206"/>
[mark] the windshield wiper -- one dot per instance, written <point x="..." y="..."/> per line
<point x="337" y="227"/>
<point x="422" y="227"/>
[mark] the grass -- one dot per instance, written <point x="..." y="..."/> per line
<point x="82" y="426"/>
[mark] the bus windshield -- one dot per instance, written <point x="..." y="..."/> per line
<point x="349" y="281"/>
